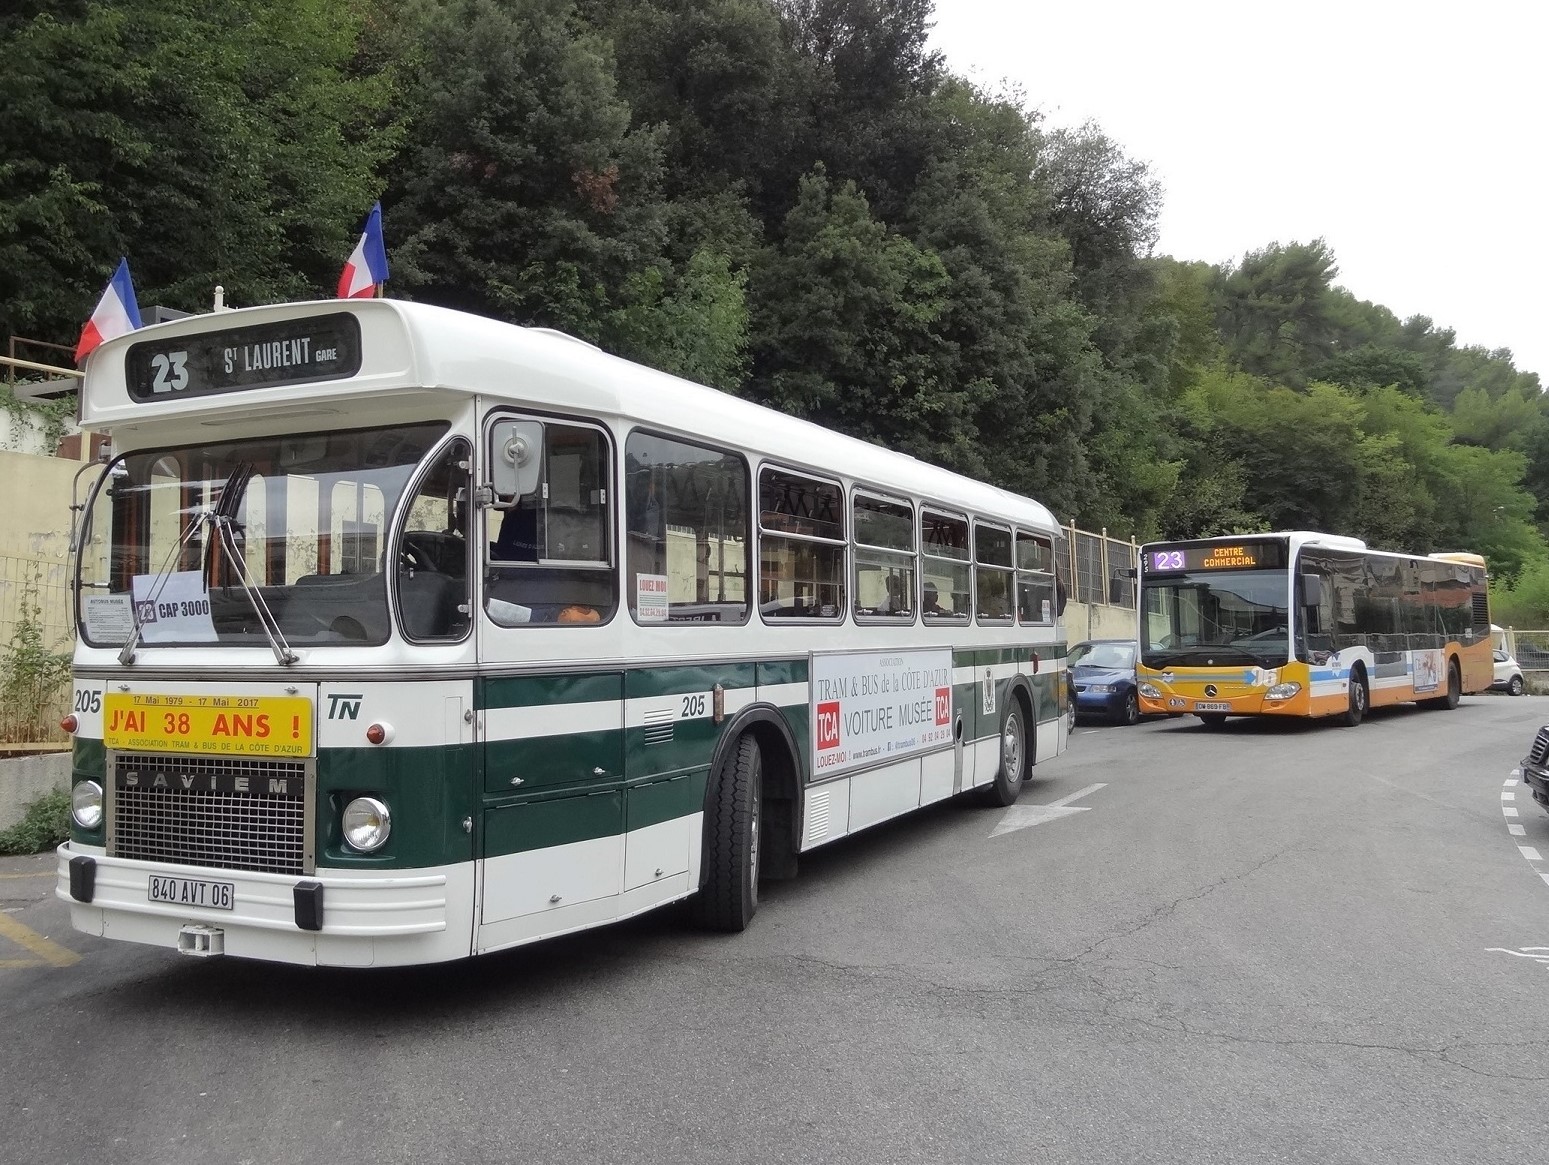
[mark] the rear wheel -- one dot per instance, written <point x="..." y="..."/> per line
<point x="1360" y="697"/>
<point x="729" y="896"/>
<point x="1007" y="785"/>
<point x="1515" y="687"/>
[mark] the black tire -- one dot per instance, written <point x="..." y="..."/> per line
<point x="1131" y="714"/>
<point x="729" y="897"/>
<point x="1014" y="756"/>
<point x="1360" y="699"/>
<point x="1211" y="720"/>
<point x="1514" y="688"/>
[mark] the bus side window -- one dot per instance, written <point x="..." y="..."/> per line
<point x="550" y="556"/>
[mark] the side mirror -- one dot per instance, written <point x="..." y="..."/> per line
<point x="1312" y="590"/>
<point x="515" y="460"/>
<point x="1116" y="592"/>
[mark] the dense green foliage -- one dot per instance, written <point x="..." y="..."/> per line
<point x="794" y="200"/>
<point x="45" y="824"/>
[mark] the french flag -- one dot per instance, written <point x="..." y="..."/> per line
<point x="366" y="269"/>
<point x="117" y="313"/>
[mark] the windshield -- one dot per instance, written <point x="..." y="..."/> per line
<point x="308" y="517"/>
<point x="1119" y="656"/>
<point x="1216" y="617"/>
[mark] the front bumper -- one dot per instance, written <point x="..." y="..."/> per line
<point x="368" y="918"/>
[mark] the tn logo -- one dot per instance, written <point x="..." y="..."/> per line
<point x="343" y="707"/>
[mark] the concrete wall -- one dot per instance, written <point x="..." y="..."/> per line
<point x="1094" y="621"/>
<point x="25" y="779"/>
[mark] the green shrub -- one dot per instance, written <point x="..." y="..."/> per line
<point x="44" y="825"/>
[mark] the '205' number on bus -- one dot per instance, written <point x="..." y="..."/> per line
<point x="693" y="706"/>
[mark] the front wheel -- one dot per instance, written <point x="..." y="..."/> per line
<point x="1515" y="687"/>
<point x="729" y="896"/>
<point x="1007" y="785"/>
<point x="1359" y="699"/>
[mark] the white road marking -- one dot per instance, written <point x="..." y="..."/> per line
<point x="1530" y="853"/>
<point x="1510" y="811"/>
<point x="1516" y="830"/>
<point x="1022" y="816"/>
<point x="1508" y="796"/>
<point x="1511" y="783"/>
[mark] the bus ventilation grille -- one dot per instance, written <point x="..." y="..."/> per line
<point x="222" y="812"/>
<point x="659" y="726"/>
<point x="1540" y="754"/>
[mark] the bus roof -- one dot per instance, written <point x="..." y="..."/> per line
<point x="405" y="348"/>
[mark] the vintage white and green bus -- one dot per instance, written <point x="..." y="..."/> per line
<point x="407" y="635"/>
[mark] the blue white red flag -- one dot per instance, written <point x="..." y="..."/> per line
<point x="366" y="269"/>
<point x="117" y="313"/>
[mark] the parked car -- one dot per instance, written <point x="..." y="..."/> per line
<point x="1508" y="674"/>
<point x="1104" y="671"/>
<point x="1535" y="768"/>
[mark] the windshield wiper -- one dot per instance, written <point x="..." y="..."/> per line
<point x="221" y="521"/>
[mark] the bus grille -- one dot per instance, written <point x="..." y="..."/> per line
<point x="1539" y="757"/>
<point x="221" y="812"/>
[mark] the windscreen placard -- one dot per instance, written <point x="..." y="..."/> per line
<point x="1216" y="556"/>
<point x="261" y="356"/>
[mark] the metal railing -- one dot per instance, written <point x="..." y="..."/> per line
<point x="1099" y="570"/>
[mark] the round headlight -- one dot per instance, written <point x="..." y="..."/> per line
<point x="86" y="804"/>
<point x="367" y="824"/>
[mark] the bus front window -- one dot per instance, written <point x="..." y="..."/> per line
<point x="1228" y="617"/>
<point x="307" y="517"/>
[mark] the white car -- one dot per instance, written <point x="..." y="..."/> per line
<point x="1508" y="674"/>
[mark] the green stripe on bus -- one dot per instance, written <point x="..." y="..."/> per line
<point x="539" y="691"/>
<point x="783" y="671"/>
<point x="428" y="790"/>
<point x="698" y="677"/>
<point x="575" y="761"/>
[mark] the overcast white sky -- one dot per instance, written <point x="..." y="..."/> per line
<point x="1412" y="137"/>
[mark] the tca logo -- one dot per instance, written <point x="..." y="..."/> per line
<point x="344" y="707"/>
<point x="828" y="725"/>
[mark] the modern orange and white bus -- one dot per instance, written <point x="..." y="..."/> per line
<point x="1307" y="624"/>
<point x="406" y="635"/>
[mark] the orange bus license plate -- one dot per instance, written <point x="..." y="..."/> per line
<point x="233" y="725"/>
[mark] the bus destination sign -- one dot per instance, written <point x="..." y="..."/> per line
<point x="262" y="356"/>
<point x="1217" y="556"/>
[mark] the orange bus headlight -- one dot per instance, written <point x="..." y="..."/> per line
<point x="1283" y="691"/>
<point x="1150" y="691"/>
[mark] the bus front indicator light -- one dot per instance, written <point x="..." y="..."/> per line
<point x="367" y="824"/>
<point x="380" y="733"/>
<point x="70" y="724"/>
<point x="86" y="804"/>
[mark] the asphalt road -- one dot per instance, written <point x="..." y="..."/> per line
<point x="1269" y="943"/>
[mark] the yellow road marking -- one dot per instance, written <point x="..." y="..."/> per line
<point x="39" y="874"/>
<point x="46" y="949"/>
<point x="22" y="963"/>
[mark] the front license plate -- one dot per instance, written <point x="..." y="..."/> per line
<point x="235" y="725"/>
<point x="1202" y="706"/>
<point x="194" y="892"/>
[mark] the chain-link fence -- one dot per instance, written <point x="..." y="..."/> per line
<point x="1100" y="571"/>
